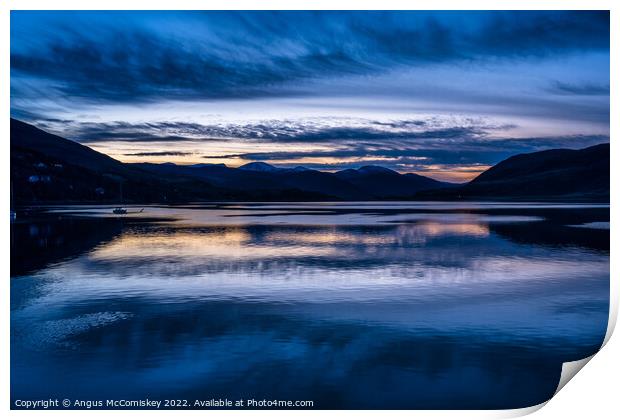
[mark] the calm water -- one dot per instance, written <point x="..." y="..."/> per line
<point x="351" y="305"/>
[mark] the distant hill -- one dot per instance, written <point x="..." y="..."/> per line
<point x="259" y="167"/>
<point x="265" y="167"/>
<point x="557" y="174"/>
<point x="383" y="182"/>
<point x="47" y="168"/>
<point x="27" y="138"/>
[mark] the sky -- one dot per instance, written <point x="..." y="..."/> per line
<point x="443" y="94"/>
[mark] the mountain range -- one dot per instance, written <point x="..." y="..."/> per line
<point x="49" y="168"/>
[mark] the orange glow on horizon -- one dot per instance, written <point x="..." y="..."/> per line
<point x="192" y="152"/>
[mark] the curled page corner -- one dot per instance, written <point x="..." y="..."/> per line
<point x="570" y="369"/>
<point x="521" y="412"/>
<point x="613" y="316"/>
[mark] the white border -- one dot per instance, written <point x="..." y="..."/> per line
<point x="594" y="394"/>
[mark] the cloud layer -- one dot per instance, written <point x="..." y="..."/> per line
<point x="133" y="56"/>
<point x="434" y="144"/>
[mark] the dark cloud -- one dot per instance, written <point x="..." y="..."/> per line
<point x="164" y="153"/>
<point x="276" y="131"/>
<point x="138" y="67"/>
<point x="585" y="89"/>
<point x="465" y="151"/>
<point x="527" y="33"/>
<point x="270" y="52"/>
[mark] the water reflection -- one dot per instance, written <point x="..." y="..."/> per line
<point x="467" y="309"/>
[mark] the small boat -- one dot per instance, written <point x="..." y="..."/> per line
<point x="120" y="210"/>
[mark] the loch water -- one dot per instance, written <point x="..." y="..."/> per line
<point x="349" y="305"/>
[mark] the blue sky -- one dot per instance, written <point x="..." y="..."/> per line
<point x="444" y="94"/>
